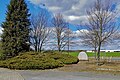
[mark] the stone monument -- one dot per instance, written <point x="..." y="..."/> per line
<point x="82" y="56"/>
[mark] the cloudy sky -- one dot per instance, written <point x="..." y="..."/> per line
<point x="73" y="11"/>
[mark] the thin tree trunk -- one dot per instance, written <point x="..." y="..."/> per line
<point x="59" y="48"/>
<point x="95" y="53"/>
<point x="98" y="54"/>
<point x="68" y="44"/>
<point x="40" y="49"/>
<point x="68" y="49"/>
<point x="36" y="47"/>
<point x="59" y="45"/>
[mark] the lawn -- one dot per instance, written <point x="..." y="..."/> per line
<point x="91" y="54"/>
<point x="107" y="54"/>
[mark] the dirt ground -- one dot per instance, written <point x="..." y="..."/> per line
<point x="91" y="65"/>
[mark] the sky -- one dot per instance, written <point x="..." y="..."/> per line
<point x="74" y="11"/>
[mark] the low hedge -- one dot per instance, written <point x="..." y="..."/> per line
<point x="34" y="60"/>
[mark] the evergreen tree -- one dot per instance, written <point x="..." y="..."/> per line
<point x="15" y="35"/>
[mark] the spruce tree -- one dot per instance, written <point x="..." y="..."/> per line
<point x="15" y="35"/>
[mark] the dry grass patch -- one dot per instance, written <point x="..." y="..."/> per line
<point x="92" y="66"/>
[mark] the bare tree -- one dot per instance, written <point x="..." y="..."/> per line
<point x="69" y="37"/>
<point x="89" y="39"/>
<point x="102" y="23"/>
<point x="39" y="30"/>
<point x="60" y="27"/>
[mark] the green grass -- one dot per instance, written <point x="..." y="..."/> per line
<point x="75" y="54"/>
<point x="105" y="54"/>
<point x="90" y="54"/>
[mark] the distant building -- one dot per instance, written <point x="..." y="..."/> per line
<point x="105" y="50"/>
<point x="110" y="50"/>
<point x="90" y="51"/>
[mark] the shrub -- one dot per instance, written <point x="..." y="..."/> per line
<point x="2" y="56"/>
<point x="64" y="58"/>
<point x="34" y="60"/>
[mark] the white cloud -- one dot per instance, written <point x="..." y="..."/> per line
<point x="1" y="30"/>
<point x="54" y="8"/>
<point x="74" y="11"/>
<point x="73" y="17"/>
<point x="36" y="2"/>
<point x="79" y="33"/>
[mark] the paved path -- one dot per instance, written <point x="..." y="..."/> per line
<point x="6" y="74"/>
<point x="60" y="75"/>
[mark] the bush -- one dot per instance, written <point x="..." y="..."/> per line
<point x="64" y="58"/>
<point x="34" y="60"/>
<point x="2" y="56"/>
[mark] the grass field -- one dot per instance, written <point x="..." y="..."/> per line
<point x="90" y="54"/>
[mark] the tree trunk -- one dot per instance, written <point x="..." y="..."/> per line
<point x="59" y="45"/>
<point x="98" y="53"/>
<point x="59" y="48"/>
<point x="35" y="47"/>
<point x="68" y="45"/>
<point x="40" y="47"/>
<point x="95" y="53"/>
<point x="68" y="49"/>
